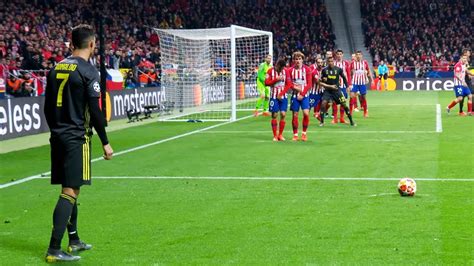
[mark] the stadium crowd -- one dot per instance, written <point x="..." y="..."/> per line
<point x="34" y="35"/>
<point x="433" y="37"/>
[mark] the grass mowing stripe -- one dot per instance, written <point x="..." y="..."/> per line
<point x="129" y="150"/>
<point x="284" y="178"/>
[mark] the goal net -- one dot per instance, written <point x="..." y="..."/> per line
<point x="210" y="74"/>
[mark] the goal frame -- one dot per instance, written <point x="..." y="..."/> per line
<point x="233" y="64"/>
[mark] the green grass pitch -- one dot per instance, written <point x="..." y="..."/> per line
<point x="335" y="202"/>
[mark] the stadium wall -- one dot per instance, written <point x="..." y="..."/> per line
<point x="24" y="116"/>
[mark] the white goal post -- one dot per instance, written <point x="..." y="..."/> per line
<point x="210" y="74"/>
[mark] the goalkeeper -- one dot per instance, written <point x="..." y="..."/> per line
<point x="263" y="91"/>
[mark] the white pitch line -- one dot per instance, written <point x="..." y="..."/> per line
<point x="284" y="178"/>
<point x="23" y="180"/>
<point x="26" y="179"/>
<point x="439" y="124"/>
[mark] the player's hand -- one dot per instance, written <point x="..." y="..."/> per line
<point x="299" y="97"/>
<point x="279" y="97"/>
<point x="280" y="78"/>
<point x="108" y="152"/>
<point x="297" y="87"/>
<point x="349" y="88"/>
<point x="334" y="87"/>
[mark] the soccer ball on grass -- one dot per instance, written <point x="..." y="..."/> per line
<point x="407" y="187"/>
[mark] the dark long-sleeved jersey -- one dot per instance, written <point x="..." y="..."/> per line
<point x="332" y="75"/>
<point x="72" y="101"/>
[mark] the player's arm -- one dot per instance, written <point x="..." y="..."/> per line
<point x="309" y="82"/>
<point x="97" y="118"/>
<point x="327" y="86"/>
<point x="352" y="69"/>
<point x="315" y="79"/>
<point x="349" y="74"/>
<point x="369" y="72"/>
<point x="268" y="80"/>
<point x="323" y="83"/>
<point x="341" y="74"/>
<point x="288" y="84"/>
<point x="261" y="73"/>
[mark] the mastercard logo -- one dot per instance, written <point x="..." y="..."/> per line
<point x="391" y="84"/>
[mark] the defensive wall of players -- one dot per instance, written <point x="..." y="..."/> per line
<point x="24" y="116"/>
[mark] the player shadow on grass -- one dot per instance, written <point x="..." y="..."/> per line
<point x="27" y="248"/>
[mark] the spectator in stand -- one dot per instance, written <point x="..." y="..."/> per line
<point x="153" y="78"/>
<point x="41" y="41"/>
<point x="14" y="86"/>
<point x="27" y="89"/>
<point x="423" y="30"/>
<point x="130" y="81"/>
<point x="3" y="48"/>
<point x="27" y="86"/>
<point x="143" y="78"/>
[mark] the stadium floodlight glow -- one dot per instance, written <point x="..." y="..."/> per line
<point x="210" y="74"/>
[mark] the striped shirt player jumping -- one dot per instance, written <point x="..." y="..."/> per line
<point x="276" y="78"/>
<point x="299" y="81"/>
<point x="360" y="72"/>
<point x="346" y="70"/>
<point x="460" y="86"/>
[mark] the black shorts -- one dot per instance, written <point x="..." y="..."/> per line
<point x="335" y="96"/>
<point x="385" y="76"/>
<point x="70" y="163"/>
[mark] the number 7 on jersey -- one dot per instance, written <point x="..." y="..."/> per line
<point x="64" y="77"/>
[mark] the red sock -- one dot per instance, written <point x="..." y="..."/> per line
<point x="352" y="103"/>
<point x="317" y="108"/>
<point x="341" y="111"/>
<point x="469" y="106"/>
<point x="282" y="127"/>
<point x="295" y="125"/>
<point x="334" y="110"/>
<point x="364" y="104"/>
<point x="452" y="104"/>
<point x="274" y="127"/>
<point x="305" y="123"/>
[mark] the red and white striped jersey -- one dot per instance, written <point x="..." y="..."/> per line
<point x="276" y="86"/>
<point x="346" y="69"/>
<point x="302" y="76"/>
<point x="459" y="71"/>
<point x="315" y="88"/>
<point x="361" y="70"/>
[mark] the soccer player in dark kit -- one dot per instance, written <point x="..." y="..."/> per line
<point x="71" y="108"/>
<point x="330" y="81"/>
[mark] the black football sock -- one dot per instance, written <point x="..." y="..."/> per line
<point x="346" y="109"/>
<point x="61" y="215"/>
<point x="461" y="104"/>
<point x="321" y="115"/>
<point x="72" y="225"/>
